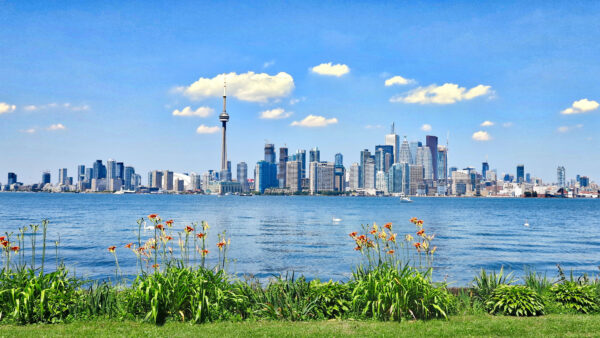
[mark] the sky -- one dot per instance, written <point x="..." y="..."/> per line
<point x="141" y="82"/>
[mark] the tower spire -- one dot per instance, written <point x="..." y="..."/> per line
<point x="392" y="128"/>
<point x="224" y="118"/>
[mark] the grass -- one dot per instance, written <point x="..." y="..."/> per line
<point x="468" y="325"/>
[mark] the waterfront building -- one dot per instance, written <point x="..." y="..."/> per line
<point x="432" y="144"/>
<point x="424" y="159"/>
<point x="364" y="156"/>
<point x="270" y="153"/>
<point x="293" y="174"/>
<point x="111" y="168"/>
<point x="98" y="184"/>
<point x="99" y="170"/>
<point x="339" y="182"/>
<point x="405" y="154"/>
<point x="114" y="184"/>
<point x="179" y="185"/>
<point x="492" y="176"/>
<point x="321" y="176"/>
<point x="242" y="175"/>
<point x="584" y="181"/>
<point x="384" y="157"/>
<point x="80" y="173"/>
<point x="442" y="163"/>
<point x="413" y="151"/>
<point x="393" y="140"/>
<point x="129" y="178"/>
<point x="167" y="183"/>
<point x="45" y="178"/>
<point x="283" y="158"/>
<point x="301" y="156"/>
<point x="12" y="178"/>
<point x="62" y="176"/>
<point x="265" y="176"/>
<point x="520" y="173"/>
<point x="89" y="173"/>
<point x="484" y="169"/>
<point x="561" y="176"/>
<point x="398" y="178"/>
<point x="120" y="170"/>
<point x="381" y="181"/>
<point x="339" y="160"/>
<point x="461" y="183"/>
<point x="315" y="155"/>
<point x="157" y="179"/>
<point x="369" y="174"/>
<point x="353" y="177"/>
<point x="415" y="174"/>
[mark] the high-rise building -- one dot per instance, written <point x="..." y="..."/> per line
<point x="315" y="155"/>
<point x="424" y="159"/>
<point x="45" y="178"/>
<point x="265" y="176"/>
<point x="283" y="158"/>
<point x="89" y="174"/>
<point x="129" y="178"/>
<point x="561" y="176"/>
<point x="62" y="176"/>
<point x="369" y="174"/>
<point x="321" y="176"/>
<point x="339" y="160"/>
<point x="364" y="156"/>
<point x="242" y="175"/>
<point x="270" y="153"/>
<point x="404" y="154"/>
<point x="398" y="179"/>
<point x="301" y="156"/>
<point x="339" y="183"/>
<point x="119" y="170"/>
<point x="293" y="178"/>
<point x="99" y="170"/>
<point x="384" y="157"/>
<point x="353" y="177"/>
<point x="413" y="151"/>
<point x="485" y="167"/>
<point x="415" y="175"/>
<point x="111" y="169"/>
<point x="584" y="181"/>
<point x="393" y="140"/>
<point x="80" y="173"/>
<point x="520" y="173"/>
<point x="224" y="118"/>
<point x="442" y="163"/>
<point x="381" y="181"/>
<point x="157" y="179"/>
<point x="12" y="178"/>
<point x="432" y="144"/>
<point x="167" y="183"/>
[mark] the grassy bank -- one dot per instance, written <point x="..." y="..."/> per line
<point x="474" y="325"/>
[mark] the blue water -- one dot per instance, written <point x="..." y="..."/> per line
<point x="272" y="235"/>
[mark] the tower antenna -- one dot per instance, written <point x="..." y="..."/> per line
<point x="393" y="128"/>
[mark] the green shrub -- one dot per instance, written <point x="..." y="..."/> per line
<point x="581" y="298"/>
<point x="333" y="298"/>
<point x="485" y="283"/>
<point x="515" y="300"/>
<point x="389" y="293"/>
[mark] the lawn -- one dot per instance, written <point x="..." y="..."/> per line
<point x="475" y="325"/>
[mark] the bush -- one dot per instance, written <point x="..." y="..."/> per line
<point x="389" y="293"/>
<point x="581" y="298"/>
<point x="515" y="300"/>
<point x="485" y="284"/>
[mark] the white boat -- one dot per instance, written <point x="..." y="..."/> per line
<point x="405" y="200"/>
<point x="335" y="220"/>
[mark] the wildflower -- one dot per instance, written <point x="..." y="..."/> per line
<point x="159" y="227"/>
<point x="382" y="234"/>
<point x="2" y="239"/>
<point x="358" y="248"/>
<point x="353" y="234"/>
<point x="375" y="227"/>
<point x="188" y="229"/>
<point x="4" y="243"/>
<point x="15" y="248"/>
<point x="421" y="232"/>
<point x="414" y="220"/>
<point x="392" y="238"/>
<point x="204" y="252"/>
<point x="200" y="235"/>
<point x="388" y="225"/>
<point x="221" y="244"/>
<point x="155" y="266"/>
<point x="425" y="246"/>
<point x="205" y="226"/>
<point x="408" y="238"/>
<point x="168" y="238"/>
<point x="417" y="245"/>
<point x="419" y="223"/>
<point x="362" y="238"/>
<point x="433" y="250"/>
<point x="370" y="244"/>
<point x="391" y="252"/>
<point x="169" y="223"/>
<point x="430" y="237"/>
<point x="152" y="216"/>
<point x="373" y="232"/>
<point x="128" y="246"/>
<point x="111" y="248"/>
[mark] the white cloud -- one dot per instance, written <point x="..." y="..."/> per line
<point x="581" y="106"/>
<point x="426" y="127"/>
<point x="481" y="136"/>
<point x="297" y="100"/>
<point x="315" y="121"/>
<point x="66" y="105"/>
<point x="57" y="126"/>
<point x="28" y="131"/>
<point x="7" y="108"/>
<point x="487" y="123"/>
<point x="330" y="69"/>
<point x="250" y="86"/>
<point x="277" y="113"/>
<point x="268" y="64"/>
<point x="565" y="129"/>
<point x="507" y="124"/>
<point x="202" y="129"/>
<point x="187" y="111"/>
<point x="398" y="80"/>
<point x="447" y="93"/>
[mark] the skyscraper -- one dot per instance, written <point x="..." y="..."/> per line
<point x="424" y="159"/>
<point x="129" y="178"/>
<point x="111" y="169"/>
<point x="12" y="178"/>
<point x="157" y="179"/>
<point x="283" y="158"/>
<point x="398" y="180"/>
<point x="353" y="177"/>
<point x="315" y="155"/>
<point x="265" y="176"/>
<point x="442" y="163"/>
<point x="224" y="118"/>
<point x="80" y="173"/>
<point x="293" y="180"/>
<point x="405" y="155"/>
<point x="270" y="153"/>
<point x="62" y="176"/>
<point x="383" y="157"/>
<point x="393" y="140"/>
<point x="561" y="176"/>
<point x="242" y="175"/>
<point x="167" y="183"/>
<point x="99" y="170"/>
<point x="369" y="173"/>
<point x="120" y="170"/>
<point x="45" y="178"/>
<point x="364" y="155"/>
<point x="413" y="151"/>
<point x="484" y="169"/>
<point x="339" y="182"/>
<point x="321" y="176"/>
<point x="301" y="156"/>
<point x="339" y="160"/>
<point x="520" y="173"/>
<point x="432" y="144"/>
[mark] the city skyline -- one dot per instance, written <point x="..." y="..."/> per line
<point x="147" y="95"/>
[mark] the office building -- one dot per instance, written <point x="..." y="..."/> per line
<point x="293" y="178"/>
<point x="353" y="177"/>
<point x="384" y="157"/>
<point x="129" y="178"/>
<point x="12" y="178"/>
<point x="339" y="180"/>
<point x="520" y="173"/>
<point x="265" y="176"/>
<point x="442" y="163"/>
<point x="415" y="174"/>
<point x="485" y="167"/>
<point x="45" y="178"/>
<point x="393" y="140"/>
<point x="321" y="176"/>
<point x="561" y="176"/>
<point x="301" y="156"/>
<point x="381" y="181"/>
<point x="413" y="151"/>
<point x="364" y="156"/>
<point x="339" y="160"/>
<point x="432" y="143"/>
<point x="424" y="159"/>
<point x="62" y="176"/>
<point x="80" y="173"/>
<point x="405" y="155"/>
<point x="242" y="176"/>
<point x="369" y="173"/>
<point x="281" y="169"/>
<point x="270" y="153"/>
<point x="398" y="179"/>
<point x="315" y="155"/>
<point x="157" y="179"/>
<point x="167" y="183"/>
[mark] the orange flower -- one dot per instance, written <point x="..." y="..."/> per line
<point x="188" y="229"/>
<point x="388" y="226"/>
<point x="204" y="252"/>
<point x="221" y="244"/>
<point x="200" y="235"/>
<point x="4" y="243"/>
<point x="414" y="220"/>
<point x="15" y="248"/>
<point x="373" y="232"/>
<point x="112" y="248"/>
<point x="419" y="222"/>
<point x="160" y="227"/>
<point x="155" y="266"/>
<point x="392" y="238"/>
<point x="391" y="252"/>
<point x="353" y="234"/>
<point x="128" y="246"/>
<point x="358" y="248"/>
<point x="2" y="239"/>
<point x="169" y="222"/>
<point x="421" y="232"/>
<point x="362" y="238"/>
<point x="152" y="216"/>
<point x="417" y="245"/>
<point x="168" y="238"/>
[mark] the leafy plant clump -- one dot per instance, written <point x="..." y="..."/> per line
<point x="580" y="298"/>
<point x="486" y="283"/>
<point x="515" y="300"/>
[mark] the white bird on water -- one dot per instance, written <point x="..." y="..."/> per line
<point x="526" y="223"/>
<point x="336" y="219"/>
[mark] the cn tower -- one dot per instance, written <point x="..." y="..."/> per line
<point x="224" y="117"/>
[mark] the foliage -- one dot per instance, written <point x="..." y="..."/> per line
<point x="485" y="283"/>
<point x="537" y="282"/>
<point x="515" y="300"/>
<point x="391" y="293"/>
<point x="581" y="298"/>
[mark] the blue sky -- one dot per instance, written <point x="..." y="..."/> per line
<point x="91" y="81"/>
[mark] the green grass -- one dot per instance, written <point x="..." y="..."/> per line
<point x="474" y="325"/>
